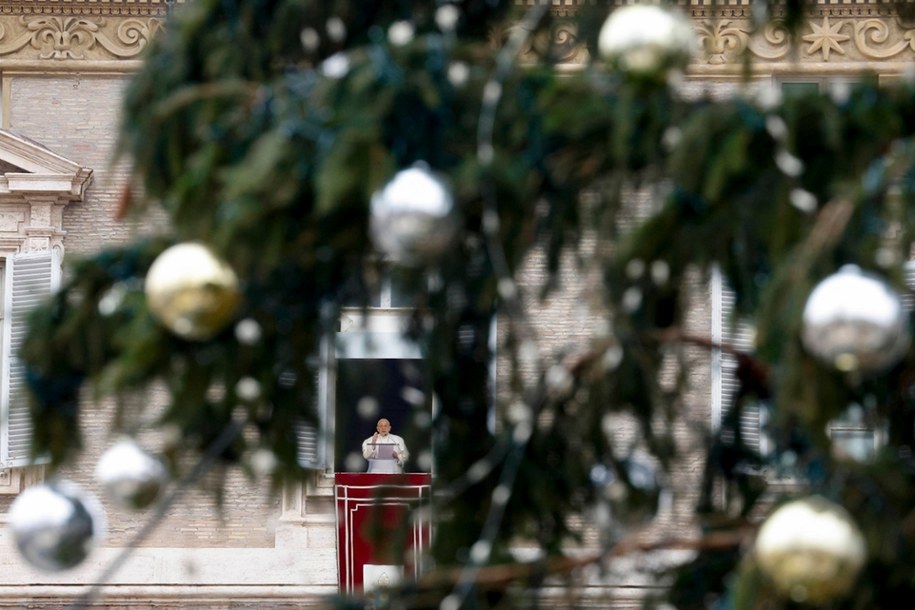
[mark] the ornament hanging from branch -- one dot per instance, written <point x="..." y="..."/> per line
<point x="412" y="217"/>
<point x="855" y="321"/>
<point x="56" y="525"/>
<point x="130" y="476"/>
<point x="632" y="490"/>
<point x="191" y="291"/>
<point x="647" y="41"/>
<point x="811" y="549"/>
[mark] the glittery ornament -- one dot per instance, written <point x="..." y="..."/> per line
<point x="647" y="40"/>
<point x="811" y="550"/>
<point x="412" y="218"/>
<point x="131" y="477"/>
<point x="191" y="291"/>
<point x="56" y="525"/>
<point x="856" y="322"/>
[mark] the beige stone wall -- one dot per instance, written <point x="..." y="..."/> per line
<point x="67" y="97"/>
<point x="77" y="116"/>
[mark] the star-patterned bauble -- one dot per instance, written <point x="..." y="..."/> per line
<point x="412" y="217"/>
<point x="131" y="477"/>
<point x="56" y="525"/>
<point x="191" y="291"/>
<point x="855" y="321"/>
<point x="811" y="550"/>
<point x="647" y="41"/>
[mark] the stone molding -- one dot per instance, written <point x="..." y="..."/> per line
<point x="89" y="31"/>
<point x="35" y="187"/>
<point x="68" y="34"/>
<point x="124" y="8"/>
<point x="822" y="39"/>
<point x="170" y="597"/>
<point x="848" y="36"/>
<point x="86" y="37"/>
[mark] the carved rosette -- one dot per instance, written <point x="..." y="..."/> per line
<point x="822" y="39"/>
<point x="562" y="44"/>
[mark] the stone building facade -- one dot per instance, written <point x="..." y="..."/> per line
<point x="63" y="68"/>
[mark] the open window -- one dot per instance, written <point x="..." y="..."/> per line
<point x="369" y="369"/>
<point x="837" y="86"/>
<point x="378" y="373"/>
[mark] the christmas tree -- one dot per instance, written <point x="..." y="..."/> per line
<point x="302" y="150"/>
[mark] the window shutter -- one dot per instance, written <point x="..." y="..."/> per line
<point x="29" y="280"/>
<point x="311" y="453"/>
<point x="727" y="330"/>
<point x="311" y="438"/>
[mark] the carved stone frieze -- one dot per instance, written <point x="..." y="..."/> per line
<point x="825" y="39"/>
<point x="70" y="37"/>
<point x="847" y="33"/>
<point x="82" y="30"/>
<point x="121" y="8"/>
<point x="822" y="39"/>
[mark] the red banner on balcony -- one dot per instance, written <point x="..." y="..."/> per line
<point x="381" y="536"/>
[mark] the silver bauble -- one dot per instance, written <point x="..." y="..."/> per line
<point x="56" y="525"/>
<point x="632" y="490"/>
<point x="647" y="40"/>
<point x="855" y="321"/>
<point x="131" y="477"/>
<point x="412" y="217"/>
<point x="191" y="291"/>
<point x="811" y="549"/>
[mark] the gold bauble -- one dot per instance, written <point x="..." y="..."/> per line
<point x="811" y="549"/>
<point x="191" y="291"/>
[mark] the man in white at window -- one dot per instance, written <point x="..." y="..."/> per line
<point x="385" y="452"/>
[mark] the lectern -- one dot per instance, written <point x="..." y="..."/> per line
<point x="380" y="538"/>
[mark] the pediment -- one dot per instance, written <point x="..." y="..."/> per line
<point x="29" y="167"/>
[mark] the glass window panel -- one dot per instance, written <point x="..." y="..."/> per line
<point x="400" y="295"/>
<point x="859" y="445"/>
<point x="800" y="88"/>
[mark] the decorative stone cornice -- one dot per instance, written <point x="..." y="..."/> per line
<point x="84" y="8"/>
<point x="846" y="36"/>
<point x="35" y="186"/>
<point x="57" y="37"/>
<point x="822" y="39"/>
<point x="103" y="33"/>
<point x="89" y="31"/>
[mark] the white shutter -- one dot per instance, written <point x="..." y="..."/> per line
<point x="727" y="330"/>
<point x="28" y="281"/>
<point x="311" y="437"/>
<point x="311" y="447"/>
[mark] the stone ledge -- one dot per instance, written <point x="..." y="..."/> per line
<point x="182" y="568"/>
<point x="141" y="597"/>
